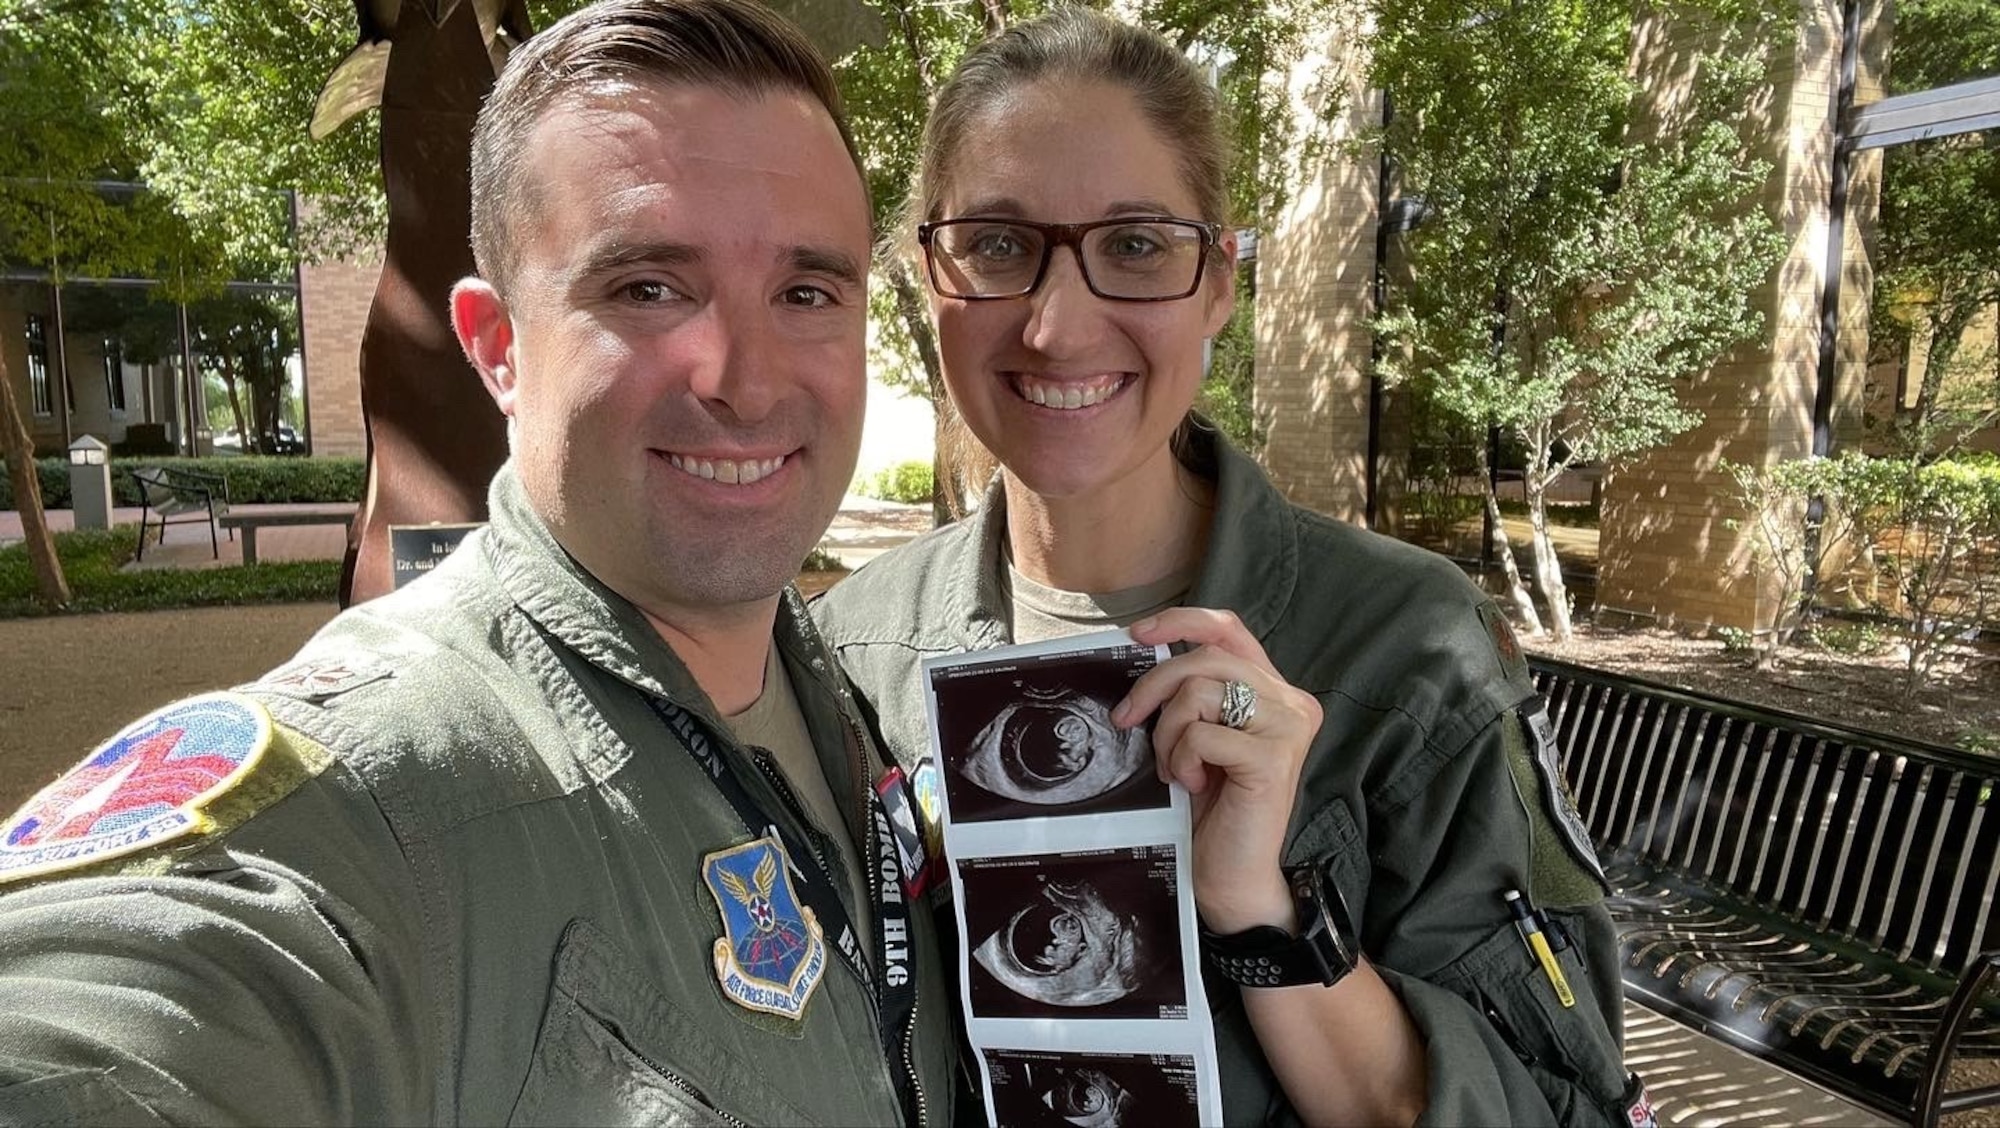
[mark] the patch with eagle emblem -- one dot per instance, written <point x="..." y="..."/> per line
<point x="772" y="952"/>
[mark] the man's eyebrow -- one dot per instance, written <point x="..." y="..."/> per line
<point x="822" y="260"/>
<point x="617" y="256"/>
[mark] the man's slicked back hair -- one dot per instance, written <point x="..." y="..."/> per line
<point x="735" y="45"/>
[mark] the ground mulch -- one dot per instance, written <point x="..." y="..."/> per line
<point x="1957" y="704"/>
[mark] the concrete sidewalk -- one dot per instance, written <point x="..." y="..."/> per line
<point x="186" y="545"/>
<point x="863" y="529"/>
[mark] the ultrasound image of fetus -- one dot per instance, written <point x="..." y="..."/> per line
<point x="1067" y="949"/>
<point x="1057" y="1088"/>
<point x="1055" y="747"/>
<point x="1088" y="1098"/>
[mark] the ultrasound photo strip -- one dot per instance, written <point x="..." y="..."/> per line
<point x="1036" y="1088"/>
<point x="1088" y="935"/>
<point x="1032" y="736"/>
<point x="1070" y="881"/>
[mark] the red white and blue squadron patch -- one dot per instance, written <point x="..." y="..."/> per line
<point x="145" y="786"/>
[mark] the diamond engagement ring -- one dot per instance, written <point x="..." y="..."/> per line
<point x="1239" y="704"/>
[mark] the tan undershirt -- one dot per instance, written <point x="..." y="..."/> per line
<point x="1042" y="612"/>
<point x="775" y="723"/>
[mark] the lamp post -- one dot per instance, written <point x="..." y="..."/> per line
<point x="90" y="482"/>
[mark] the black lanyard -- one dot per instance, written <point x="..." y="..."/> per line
<point x="895" y="989"/>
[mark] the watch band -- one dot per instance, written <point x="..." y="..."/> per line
<point x="1322" y="952"/>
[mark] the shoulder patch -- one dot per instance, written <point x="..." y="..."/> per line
<point x="318" y="680"/>
<point x="772" y="952"/>
<point x="147" y="785"/>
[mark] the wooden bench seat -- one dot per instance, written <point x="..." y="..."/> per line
<point x="1819" y="896"/>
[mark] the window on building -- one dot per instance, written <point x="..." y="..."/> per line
<point x="114" y="372"/>
<point x="40" y="392"/>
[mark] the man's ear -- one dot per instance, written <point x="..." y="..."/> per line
<point x="1220" y="293"/>
<point x="486" y="333"/>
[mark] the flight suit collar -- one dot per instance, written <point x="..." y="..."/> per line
<point x="555" y="591"/>
<point x="1252" y="560"/>
<point x="605" y="629"/>
<point x="975" y="601"/>
<point x="1251" y="563"/>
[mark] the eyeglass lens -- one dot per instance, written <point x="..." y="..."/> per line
<point x="983" y="258"/>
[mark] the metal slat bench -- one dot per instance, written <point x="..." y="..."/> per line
<point x="1824" y="898"/>
<point x="178" y="497"/>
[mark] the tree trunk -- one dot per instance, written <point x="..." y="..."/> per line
<point x="243" y="441"/>
<point x="50" y="587"/>
<point x="260" y="381"/>
<point x="945" y="485"/>
<point x="1948" y="320"/>
<point x="921" y="59"/>
<point x="995" y="14"/>
<point x="1517" y="592"/>
<point x="1536" y="478"/>
<point x="1548" y="567"/>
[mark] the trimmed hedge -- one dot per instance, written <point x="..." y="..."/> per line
<point x="252" y="479"/>
<point x="91" y="560"/>
<point x="908" y="482"/>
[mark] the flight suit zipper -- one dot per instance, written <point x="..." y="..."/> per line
<point x="767" y="768"/>
<point x="693" y="1094"/>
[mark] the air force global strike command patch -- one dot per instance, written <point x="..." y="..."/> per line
<point x="772" y="951"/>
<point x="147" y="785"/>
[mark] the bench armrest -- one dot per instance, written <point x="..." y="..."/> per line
<point x="1933" y="1100"/>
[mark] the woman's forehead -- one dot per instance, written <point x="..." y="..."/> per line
<point x="1064" y="150"/>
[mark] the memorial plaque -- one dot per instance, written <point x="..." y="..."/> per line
<point x="416" y="549"/>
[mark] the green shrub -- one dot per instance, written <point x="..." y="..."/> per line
<point x="252" y="479"/>
<point x="820" y="560"/>
<point x="1851" y="639"/>
<point x="907" y="482"/>
<point x="91" y="559"/>
<point x="1736" y="640"/>
<point x="1983" y="741"/>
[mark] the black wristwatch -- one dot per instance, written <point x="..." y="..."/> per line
<point x="1323" y="951"/>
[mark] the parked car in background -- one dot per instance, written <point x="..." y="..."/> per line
<point x="288" y="441"/>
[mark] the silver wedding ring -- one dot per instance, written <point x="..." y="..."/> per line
<point x="1239" y="704"/>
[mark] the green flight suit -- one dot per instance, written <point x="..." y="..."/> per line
<point x="1420" y="795"/>
<point x="464" y="884"/>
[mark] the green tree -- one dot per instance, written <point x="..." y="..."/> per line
<point x="225" y="92"/>
<point x="1579" y="259"/>
<point x="59" y="134"/>
<point x="1938" y="239"/>
<point x="244" y="339"/>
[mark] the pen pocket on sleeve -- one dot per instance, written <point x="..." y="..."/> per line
<point x="1566" y="1046"/>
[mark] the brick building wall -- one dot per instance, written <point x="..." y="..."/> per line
<point x="1672" y="548"/>
<point x="1314" y="291"/>
<point x="333" y="304"/>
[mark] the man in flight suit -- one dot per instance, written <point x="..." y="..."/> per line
<point x="579" y="827"/>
